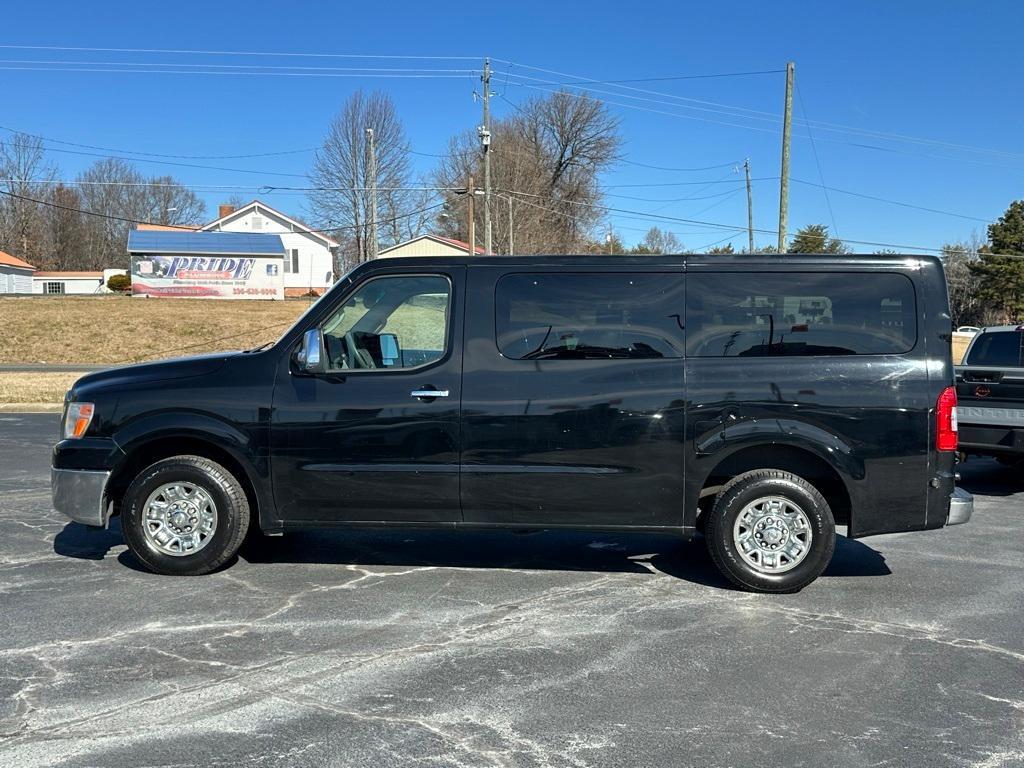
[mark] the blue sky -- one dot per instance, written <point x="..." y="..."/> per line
<point x="943" y="73"/>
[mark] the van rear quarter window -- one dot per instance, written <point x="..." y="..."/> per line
<point x="739" y="314"/>
<point x="588" y="316"/>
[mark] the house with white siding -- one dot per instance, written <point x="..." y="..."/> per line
<point x="15" y="274"/>
<point x="61" y="283"/>
<point x="309" y="260"/>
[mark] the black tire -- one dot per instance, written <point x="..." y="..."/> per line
<point x="225" y="491"/>
<point x="748" y="487"/>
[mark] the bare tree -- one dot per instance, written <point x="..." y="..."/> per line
<point x="965" y="305"/>
<point x="167" y="202"/>
<point x="66" y="230"/>
<point x="546" y="158"/>
<point x="340" y="174"/>
<point x="25" y="173"/>
<point x="659" y="241"/>
<point x="117" y="196"/>
<point x="236" y="201"/>
<point x="109" y="191"/>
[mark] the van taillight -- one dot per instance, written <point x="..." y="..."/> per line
<point x="945" y="421"/>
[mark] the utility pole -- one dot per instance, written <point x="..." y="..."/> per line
<point x="750" y="209"/>
<point x="371" y="173"/>
<point x="787" y="123"/>
<point x="485" y="142"/>
<point x="510" y="251"/>
<point x="471" y="194"/>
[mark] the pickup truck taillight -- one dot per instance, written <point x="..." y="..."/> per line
<point x="945" y="421"/>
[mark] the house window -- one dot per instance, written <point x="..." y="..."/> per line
<point x="291" y="261"/>
<point x="53" y="287"/>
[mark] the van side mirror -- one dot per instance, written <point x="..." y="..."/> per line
<point x="310" y="357"/>
<point x="390" y="353"/>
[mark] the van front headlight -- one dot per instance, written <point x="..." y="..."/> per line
<point x="77" y="417"/>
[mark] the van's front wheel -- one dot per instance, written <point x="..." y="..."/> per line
<point x="770" y="531"/>
<point x="184" y="516"/>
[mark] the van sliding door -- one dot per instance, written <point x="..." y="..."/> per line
<point x="572" y="397"/>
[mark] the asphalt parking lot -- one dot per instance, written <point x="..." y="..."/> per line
<point x="492" y="649"/>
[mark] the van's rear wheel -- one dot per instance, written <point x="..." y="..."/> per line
<point x="770" y="531"/>
<point x="184" y="516"/>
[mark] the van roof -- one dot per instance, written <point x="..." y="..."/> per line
<point x="727" y="261"/>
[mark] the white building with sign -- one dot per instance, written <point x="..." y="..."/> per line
<point x="308" y="254"/>
<point x="206" y="265"/>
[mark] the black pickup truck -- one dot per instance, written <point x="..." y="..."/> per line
<point x="761" y="399"/>
<point x="990" y="389"/>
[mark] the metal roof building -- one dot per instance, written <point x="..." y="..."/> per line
<point x="206" y="265"/>
<point x="204" y="243"/>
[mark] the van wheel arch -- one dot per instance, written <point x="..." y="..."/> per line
<point x="143" y="455"/>
<point x="787" y="458"/>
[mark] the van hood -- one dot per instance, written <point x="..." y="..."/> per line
<point x="159" y="370"/>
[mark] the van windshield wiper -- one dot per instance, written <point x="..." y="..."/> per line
<point x="260" y="348"/>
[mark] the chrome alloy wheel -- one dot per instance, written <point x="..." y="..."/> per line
<point x="179" y="518"/>
<point x="772" y="534"/>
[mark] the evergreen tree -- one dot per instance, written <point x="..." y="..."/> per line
<point x="814" y="238"/>
<point x="1000" y="269"/>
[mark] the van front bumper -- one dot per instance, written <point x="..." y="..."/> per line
<point x="81" y="494"/>
<point x="961" y="507"/>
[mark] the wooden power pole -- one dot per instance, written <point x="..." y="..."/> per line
<point x="750" y="208"/>
<point x="371" y="174"/>
<point x="471" y="194"/>
<point x="485" y="141"/>
<point x="787" y="122"/>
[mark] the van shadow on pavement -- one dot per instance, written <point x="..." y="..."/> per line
<point x="540" y="550"/>
<point x="85" y="543"/>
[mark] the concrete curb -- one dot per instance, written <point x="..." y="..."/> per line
<point x="31" y="407"/>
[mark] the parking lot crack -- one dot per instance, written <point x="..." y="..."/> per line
<point x="874" y="627"/>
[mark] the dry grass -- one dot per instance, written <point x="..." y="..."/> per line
<point x="120" y="329"/>
<point x="35" y="387"/>
<point x="960" y="344"/>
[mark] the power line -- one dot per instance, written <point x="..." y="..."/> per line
<point x="677" y="170"/>
<point x="176" y="164"/>
<point x="775" y="120"/>
<point x="738" y="182"/>
<point x="677" y="77"/>
<point x="717" y="225"/>
<point x="228" y="73"/>
<point x="156" y="154"/>
<point x="830" y="126"/>
<point x="622" y="84"/>
<point x="894" y="202"/>
<point x="817" y="162"/>
<point x="241" y="53"/>
<point x="271" y="67"/>
<point x="111" y="217"/>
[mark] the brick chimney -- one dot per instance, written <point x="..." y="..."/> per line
<point x="225" y="209"/>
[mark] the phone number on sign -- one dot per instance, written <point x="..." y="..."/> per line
<point x="255" y="291"/>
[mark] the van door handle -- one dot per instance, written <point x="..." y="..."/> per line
<point x="429" y="393"/>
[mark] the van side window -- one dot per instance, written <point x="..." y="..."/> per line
<point x="589" y="316"/>
<point x="390" y="322"/>
<point x="740" y="314"/>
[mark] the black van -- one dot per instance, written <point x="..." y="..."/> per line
<point x="761" y="400"/>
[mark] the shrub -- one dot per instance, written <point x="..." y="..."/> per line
<point x="119" y="283"/>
